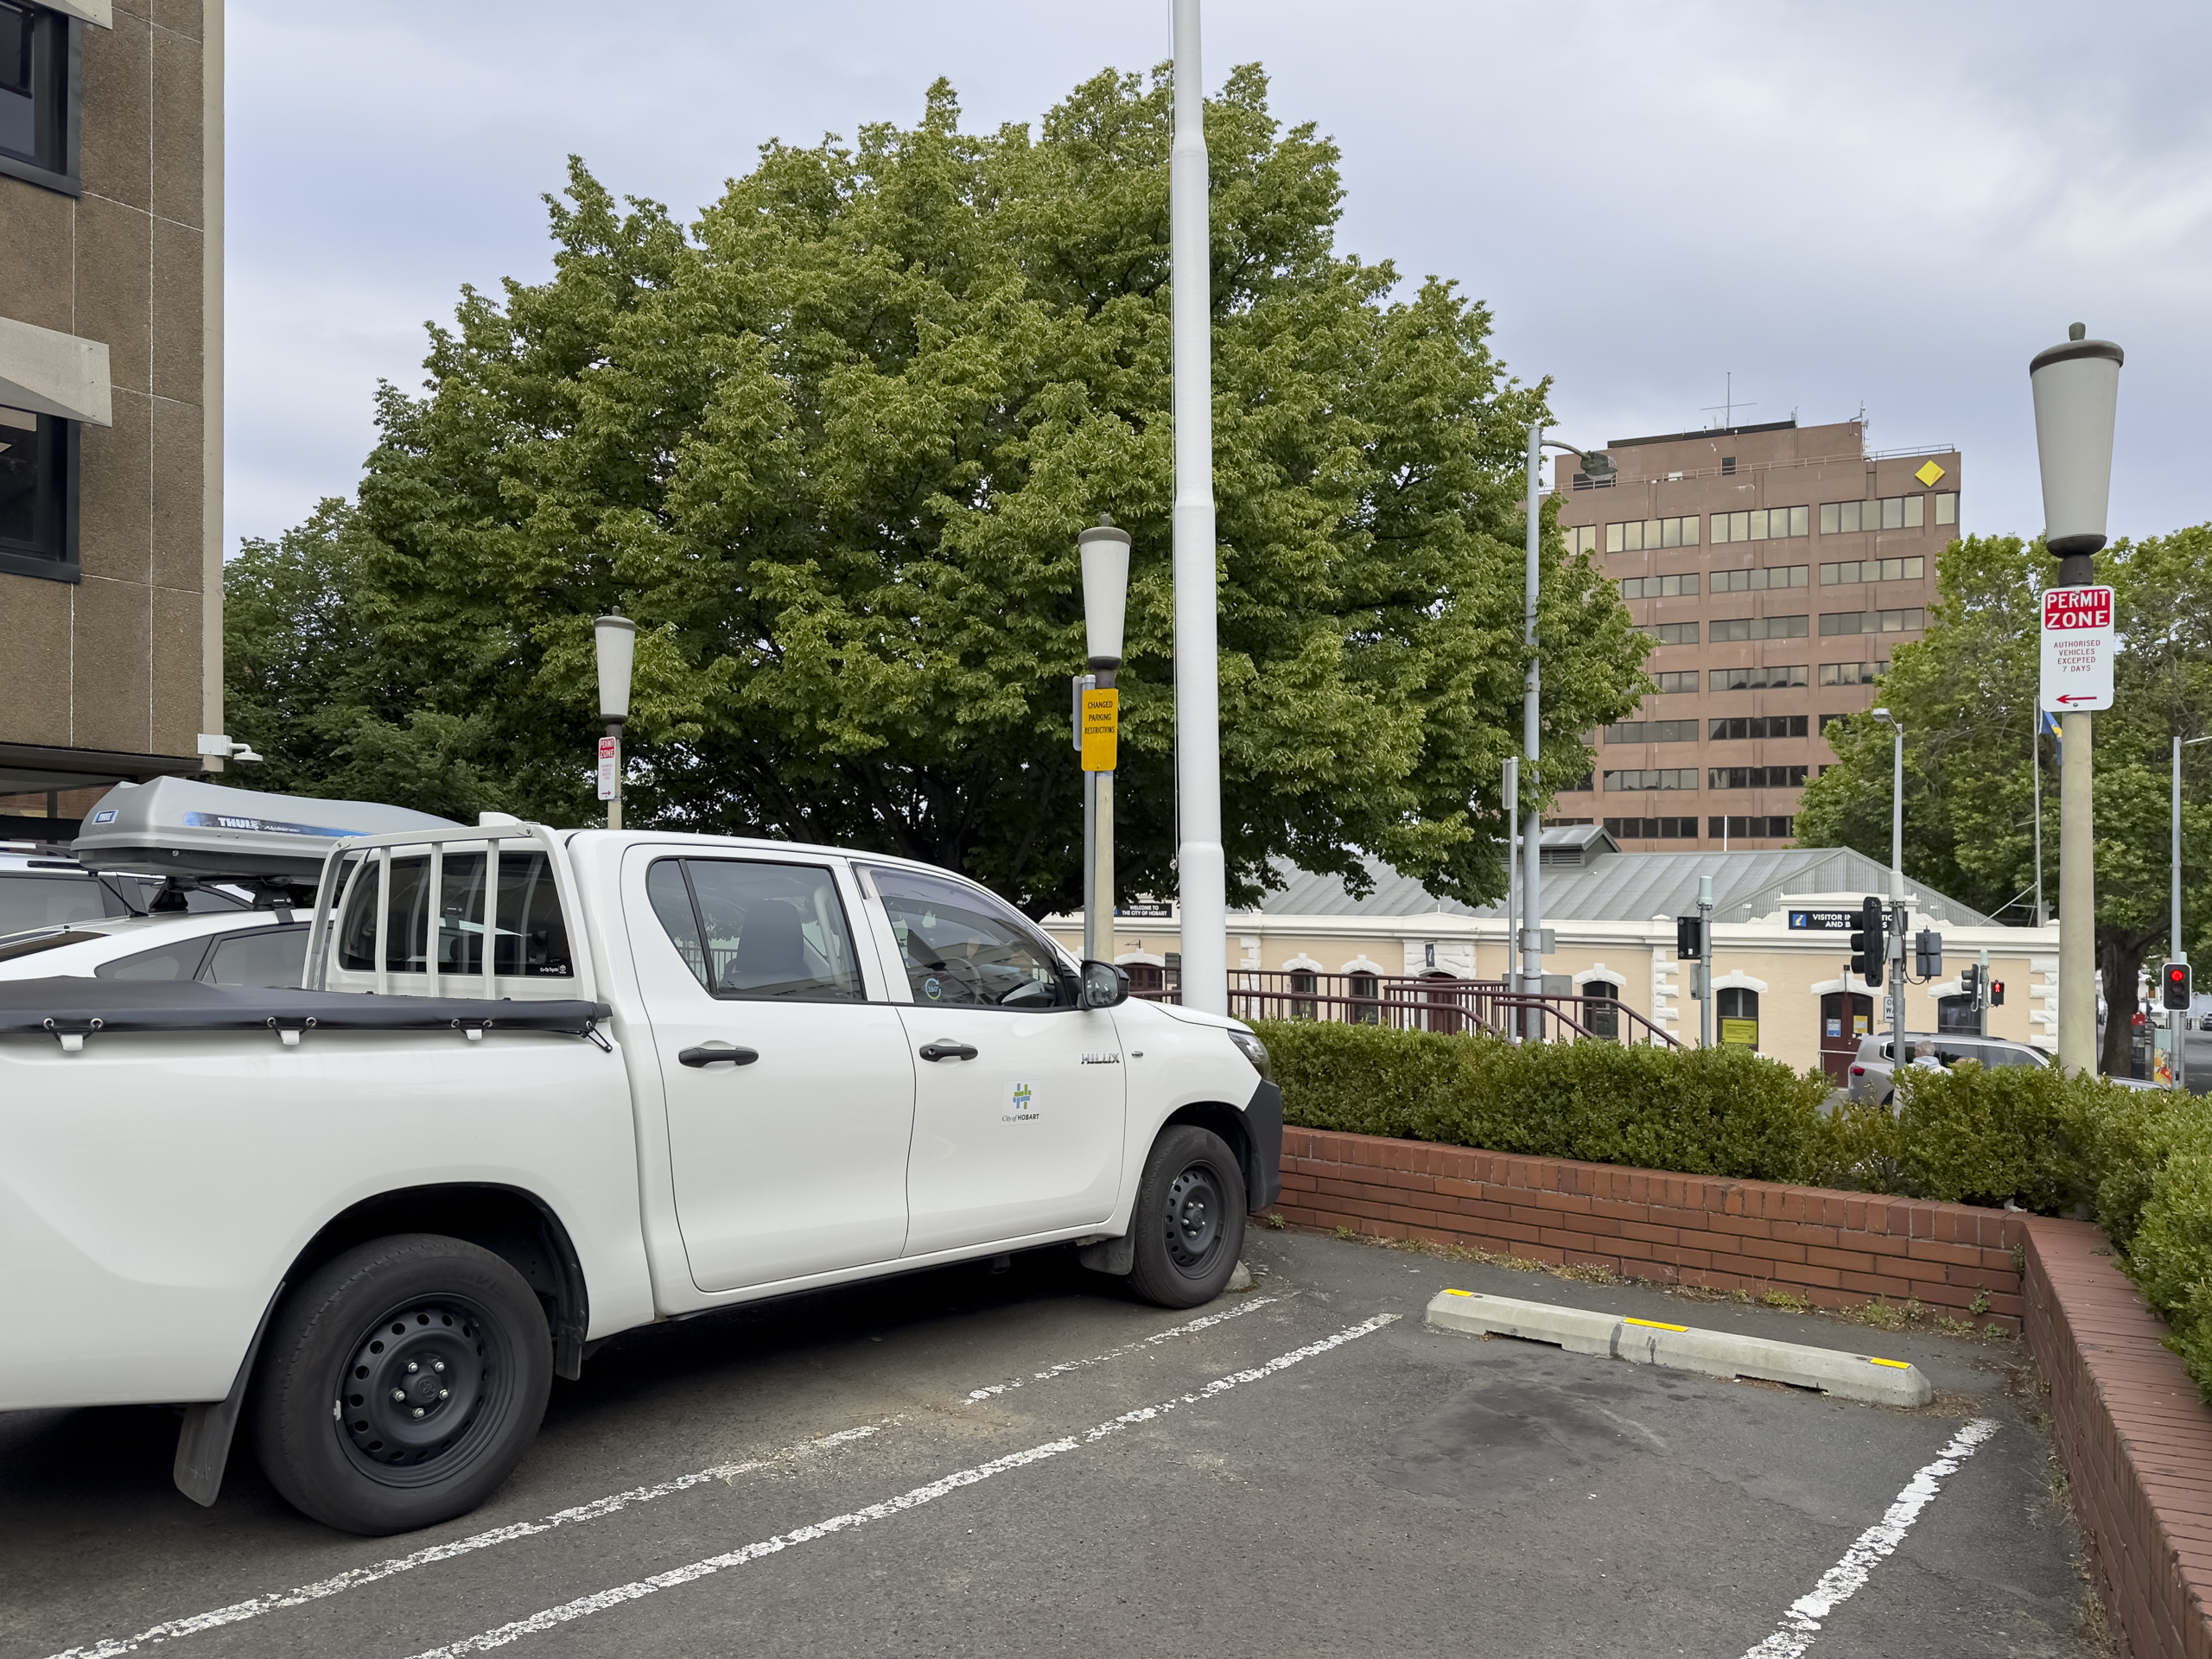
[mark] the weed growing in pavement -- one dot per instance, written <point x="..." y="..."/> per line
<point x="1784" y="1299"/>
<point x="1980" y="1303"/>
<point x="1275" y="1221"/>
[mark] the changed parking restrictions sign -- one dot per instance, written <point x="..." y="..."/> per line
<point x="2077" y="647"/>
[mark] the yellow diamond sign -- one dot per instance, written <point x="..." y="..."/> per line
<point x="1928" y="474"/>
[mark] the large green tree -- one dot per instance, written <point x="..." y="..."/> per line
<point x="831" y="446"/>
<point x="1965" y="693"/>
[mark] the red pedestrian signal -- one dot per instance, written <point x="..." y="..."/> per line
<point x="2175" y="978"/>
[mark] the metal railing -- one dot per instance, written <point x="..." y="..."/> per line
<point x="1749" y="467"/>
<point x="1465" y="1007"/>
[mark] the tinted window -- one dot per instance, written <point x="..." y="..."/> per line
<point x="757" y="930"/>
<point x="533" y="937"/>
<point x="179" y="959"/>
<point x="960" y="946"/>
<point x="267" y="956"/>
<point x="35" y="899"/>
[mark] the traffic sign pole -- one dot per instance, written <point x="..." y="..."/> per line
<point x="2078" y="642"/>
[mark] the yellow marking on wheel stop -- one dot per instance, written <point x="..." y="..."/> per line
<point x="1458" y="1293"/>
<point x="1654" y="1324"/>
<point x="1894" y="1365"/>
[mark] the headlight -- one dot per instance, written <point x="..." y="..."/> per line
<point x="1254" y="1050"/>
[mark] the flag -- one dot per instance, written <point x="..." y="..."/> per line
<point x="2048" y="722"/>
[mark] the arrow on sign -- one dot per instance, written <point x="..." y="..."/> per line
<point x="2077" y="697"/>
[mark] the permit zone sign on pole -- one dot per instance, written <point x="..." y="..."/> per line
<point x="2077" y="648"/>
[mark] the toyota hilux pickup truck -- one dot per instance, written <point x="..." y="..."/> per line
<point x="542" y="1086"/>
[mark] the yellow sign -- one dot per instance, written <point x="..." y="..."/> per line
<point x="1744" y="1033"/>
<point x="1102" y="720"/>
<point x="1928" y="474"/>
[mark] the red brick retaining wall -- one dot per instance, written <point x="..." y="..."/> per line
<point x="1834" y="1248"/>
<point x="2135" y="1434"/>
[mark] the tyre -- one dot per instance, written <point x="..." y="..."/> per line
<point x="401" y="1383"/>
<point x="1188" y="1227"/>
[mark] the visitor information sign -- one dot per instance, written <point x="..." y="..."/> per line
<point x="2077" y="647"/>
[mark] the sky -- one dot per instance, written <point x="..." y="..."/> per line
<point x="1881" y="206"/>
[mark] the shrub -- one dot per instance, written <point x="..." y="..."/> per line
<point x="2029" y="1135"/>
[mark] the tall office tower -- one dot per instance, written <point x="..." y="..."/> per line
<point x="1775" y="567"/>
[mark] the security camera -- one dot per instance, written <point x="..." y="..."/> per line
<point x="244" y="756"/>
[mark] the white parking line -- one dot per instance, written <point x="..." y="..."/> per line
<point x="1067" y="1365"/>
<point x="353" y="1578"/>
<point x="638" y="1589"/>
<point x="1842" y="1581"/>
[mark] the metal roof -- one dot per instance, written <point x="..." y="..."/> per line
<point x="1631" y="887"/>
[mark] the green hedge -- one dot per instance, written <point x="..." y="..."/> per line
<point x="2140" y="1160"/>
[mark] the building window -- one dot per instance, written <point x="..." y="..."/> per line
<point x="1302" y="986"/>
<point x="38" y="495"/>
<point x="39" y="78"/>
<point x="1947" y="507"/>
<point x="1584" y="481"/>
<point x="1652" y="731"/>
<point x="1601" y="1014"/>
<point x="1660" y="777"/>
<point x="1851" y="673"/>
<point x="1657" y="586"/>
<point x="1873" y="570"/>
<point x="1827" y="721"/>
<point x="1758" y="628"/>
<point x="1671" y="633"/>
<point x="1749" y="581"/>
<point x="1754" y="777"/>
<point x="1905" y="621"/>
<point x="1957" y="1014"/>
<point x="1651" y="829"/>
<point x="1728" y="466"/>
<point x="1762" y="524"/>
<point x="1754" y="828"/>
<point x="1575" y="787"/>
<point x="1738" y="1010"/>
<point x="1739" y="727"/>
<point x="1758" y="679"/>
<point x="1889" y="512"/>
<point x="1642" y="535"/>
<point x="1579" y="538"/>
<point x="1683" y="680"/>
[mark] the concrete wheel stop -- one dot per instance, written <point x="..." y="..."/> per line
<point x="1683" y="1348"/>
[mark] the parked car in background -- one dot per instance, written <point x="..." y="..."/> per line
<point x="41" y="888"/>
<point x="1871" y="1067"/>
<point x="226" y="947"/>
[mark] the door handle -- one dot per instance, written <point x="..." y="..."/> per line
<point x="945" y="1049"/>
<point x="719" y="1055"/>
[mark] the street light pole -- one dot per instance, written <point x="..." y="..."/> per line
<point x="614" y="646"/>
<point x="1105" y="555"/>
<point x="1199" y="859"/>
<point x="1900" y="918"/>
<point x="1532" y="834"/>
<point x="2076" y="385"/>
<point x="2179" y="1033"/>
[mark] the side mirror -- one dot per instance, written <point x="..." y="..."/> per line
<point x="1104" y="986"/>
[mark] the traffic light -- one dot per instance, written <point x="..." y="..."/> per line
<point x="1927" y="953"/>
<point x="1689" y="939"/>
<point x="1869" y="942"/>
<point x="1970" y="981"/>
<point x="2175" y="978"/>
<point x="1996" y="993"/>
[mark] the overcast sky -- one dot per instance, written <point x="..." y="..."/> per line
<point x="1891" y="206"/>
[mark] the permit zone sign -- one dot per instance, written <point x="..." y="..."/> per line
<point x="2077" y="649"/>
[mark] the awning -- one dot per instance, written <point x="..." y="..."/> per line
<point x="49" y="373"/>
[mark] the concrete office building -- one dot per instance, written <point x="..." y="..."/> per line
<point x="1776" y="567"/>
<point x="111" y="399"/>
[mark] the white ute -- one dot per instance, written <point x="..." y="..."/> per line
<point x="374" y="1218"/>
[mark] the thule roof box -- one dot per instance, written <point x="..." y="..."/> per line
<point x="183" y="827"/>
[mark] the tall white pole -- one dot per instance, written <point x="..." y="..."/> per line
<point x="2034" y="748"/>
<point x="1532" y="835"/>
<point x="2077" y="903"/>
<point x="1198" y="710"/>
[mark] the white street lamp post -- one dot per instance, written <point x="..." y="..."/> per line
<point x="1199" y="857"/>
<point x="1532" y="835"/>
<point x="2179" y="1032"/>
<point x="1105" y="554"/>
<point x="614" y="644"/>
<point x="1900" y="917"/>
<point x="2076" y="385"/>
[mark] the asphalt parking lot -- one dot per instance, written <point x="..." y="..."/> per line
<point x="966" y="1463"/>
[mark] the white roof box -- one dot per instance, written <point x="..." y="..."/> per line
<point x="182" y="827"/>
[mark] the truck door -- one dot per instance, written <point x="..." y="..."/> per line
<point x="1018" y="1092"/>
<point x="790" y="1094"/>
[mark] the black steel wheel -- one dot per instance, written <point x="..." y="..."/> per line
<point x="401" y="1383"/>
<point x="1188" y="1228"/>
